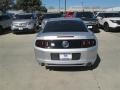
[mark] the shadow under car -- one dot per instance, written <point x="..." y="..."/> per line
<point x="78" y="68"/>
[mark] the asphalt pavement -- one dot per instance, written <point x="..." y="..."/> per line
<point x="20" y="71"/>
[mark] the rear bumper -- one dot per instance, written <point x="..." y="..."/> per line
<point x="24" y="30"/>
<point x="87" y="56"/>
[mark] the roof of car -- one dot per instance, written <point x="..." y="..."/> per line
<point x="62" y="19"/>
<point x="84" y="11"/>
<point x="109" y="12"/>
<point x="24" y="14"/>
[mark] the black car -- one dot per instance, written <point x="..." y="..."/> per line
<point x="52" y="15"/>
<point x="5" y="23"/>
<point x="88" y="18"/>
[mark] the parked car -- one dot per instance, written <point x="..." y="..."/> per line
<point x="65" y="42"/>
<point x="109" y="20"/>
<point x="5" y="22"/>
<point x="69" y="14"/>
<point x="39" y="18"/>
<point x="24" y="22"/>
<point x="11" y="13"/>
<point x="50" y="15"/>
<point x="89" y="19"/>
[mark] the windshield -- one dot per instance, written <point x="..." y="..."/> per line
<point x="30" y="16"/>
<point x="52" y="16"/>
<point x="111" y="14"/>
<point x="4" y="17"/>
<point x="65" y="26"/>
<point x="85" y="15"/>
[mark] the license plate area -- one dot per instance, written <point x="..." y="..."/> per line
<point x="65" y="56"/>
<point x="20" y="28"/>
<point x="90" y="27"/>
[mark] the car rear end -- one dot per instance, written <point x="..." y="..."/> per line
<point x="66" y="48"/>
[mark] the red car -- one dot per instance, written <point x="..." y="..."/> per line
<point x="69" y="14"/>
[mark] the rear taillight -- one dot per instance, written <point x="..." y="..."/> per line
<point x="42" y="43"/>
<point x="85" y="43"/>
<point x="58" y="44"/>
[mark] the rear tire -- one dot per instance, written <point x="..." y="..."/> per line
<point x="106" y="27"/>
<point x="14" y="32"/>
<point x="1" y="30"/>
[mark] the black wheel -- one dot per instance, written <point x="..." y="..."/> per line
<point x="1" y="30"/>
<point x="47" y="67"/>
<point x="35" y="29"/>
<point x="106" y="27"/>
<point x="42" y="64"/>
<point x="14" y="32"/>
<point x="98" y="25"/>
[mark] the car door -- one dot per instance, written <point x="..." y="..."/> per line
<point x="8" y="20"/>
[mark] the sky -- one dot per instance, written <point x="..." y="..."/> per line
<point x="86" y="3"/>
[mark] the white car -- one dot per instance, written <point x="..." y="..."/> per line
<point x="109" y="20"/>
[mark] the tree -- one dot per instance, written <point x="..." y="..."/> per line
<point x="43" y="9"/>
<point x="5" y="4"/>
<point x="29" y="5"/>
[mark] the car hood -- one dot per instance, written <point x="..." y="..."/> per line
<point x="65" y="35"/>
<point x="88" y="19"/>
<point x="23" y="21"/>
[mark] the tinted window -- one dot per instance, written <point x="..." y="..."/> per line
<point x="1" y="18"/>
<point x="46" y="16"/>
<point x="111" y="14"/>
<point x="7" y="17"/>
<point x="65" y="26"/>
<point x="100" y="15"/>
<point x="84" y="15"/>
<point x="30" y="16"/>
<point x="4" y="17"/>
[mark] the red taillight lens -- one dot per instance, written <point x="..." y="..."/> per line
<point x="88" y="43"/>
<point x="42" y="43"/>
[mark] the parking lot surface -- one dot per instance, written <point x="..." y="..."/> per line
<point x="20" y="71"/>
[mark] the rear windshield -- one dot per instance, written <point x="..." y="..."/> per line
<point x="46" y="16"/>
<point x="85" y="15"/>
<point x="65" y="26"/>
<point x="4" y="17"/>
<point x="30" y="16"/>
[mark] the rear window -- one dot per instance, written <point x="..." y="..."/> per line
<point x="65" y="26"/>
<point x="46" y="16"/>
<point x="111" y="15"/>
<point x="4" y="17"/>
<point x="29" y="16"/>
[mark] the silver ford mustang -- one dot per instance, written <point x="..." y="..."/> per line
<point x="65" y="42"/>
